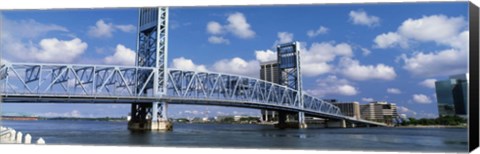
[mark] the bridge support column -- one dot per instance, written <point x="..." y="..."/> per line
<point x="335" y="123"/>
<point x="162" y="123"/>
<point x="283" y="121"/>
<point x="144" y="116"/>
<point x="301" y="120"/>
<point x="351" y="125"/>
<point x="138" y="116"/>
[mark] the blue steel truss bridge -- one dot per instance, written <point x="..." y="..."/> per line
<point x="150" y="86"/>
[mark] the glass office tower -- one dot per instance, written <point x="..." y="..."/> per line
<point x="452" y="95"/>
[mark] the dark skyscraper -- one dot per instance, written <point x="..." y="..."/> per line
<point x="452" y="95"/>
<point x="269" y="72"/>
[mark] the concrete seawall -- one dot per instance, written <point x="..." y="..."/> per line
<point x="11" y="136"/>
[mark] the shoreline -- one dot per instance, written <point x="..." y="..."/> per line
<point x="431" y="126"/>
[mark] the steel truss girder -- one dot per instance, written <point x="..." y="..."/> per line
<point x="32" y="81"/>
<point x="219" y="86"/>
<point x="73" y="80"/>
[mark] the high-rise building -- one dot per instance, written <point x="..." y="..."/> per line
<point x="351" y="109"/>
<point x="379" y="111"/>
<point x="269" y="72"/>
<point x="452" y="96"/>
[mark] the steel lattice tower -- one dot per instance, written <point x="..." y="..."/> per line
<point x="288" y="57"/>
<point x="152" y="52"/>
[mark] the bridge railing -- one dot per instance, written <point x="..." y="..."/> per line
<point x="73" y="80"/>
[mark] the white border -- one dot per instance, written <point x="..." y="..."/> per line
<point x="79" y="149"/>
<point x="56" y="4"/>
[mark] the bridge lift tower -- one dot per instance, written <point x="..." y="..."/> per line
<point x="151" y="52"/>
<point x="288" y="58"/>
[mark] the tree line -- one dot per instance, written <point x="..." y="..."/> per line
<point x="443" y="120"/>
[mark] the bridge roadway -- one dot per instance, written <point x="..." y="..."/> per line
<point x="65" y="83"/>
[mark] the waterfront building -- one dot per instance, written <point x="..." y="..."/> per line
<point x="379" y="111"/>
<point x="238" y="117"/>
<point x="452" y="95"/>
<point x="351" y="109"/>
<point x="269" y="71"/>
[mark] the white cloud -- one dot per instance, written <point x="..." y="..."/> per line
<point x="327" y="51"/>
<point x="430" y="83"/>
<point x="354" y="70"/>
<point x="187" y="64"/>
<point x="3" y="61"/>
<point x="265" y="55"/>
<point x="52" y="48"/>
<point x="368" y="99"/>
<point x="235" y="65"/>
<point x="347" y="90"/>
<point x="441" y="63"/>
<point x="105" y="30"/>
<point x="101" y="29"/>
<point x="333" y="85"/>
<point x="315" y="69"/>
<point x="449" y="32"/>
<point x="30" y="28"/>
<point x="394" y="91"/>
<point x="218" y="40"/>
<point x="319" y="31"/>
<point x="238" y="66"/>
<point x="361" y="17"/>
<point x="214" y="28"/>
<point x="122" y="56"/>
<point x="73" y="113"/>
<point x="17" y="42"/>
<point x="48" y="50"/>
<point x="436" y="28"/>
<point x="238" y="25"/>
<point x="126" y="28"/>
<point x="284" y="37"/>
<point x="390" y="39"/>
<point x="422" y="99"/>
<point x="314" y="60"/>
<point x="406" y="111"/>
<point x="365" y="51"/>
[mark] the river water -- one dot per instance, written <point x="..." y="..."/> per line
<point x="247" y="136"/>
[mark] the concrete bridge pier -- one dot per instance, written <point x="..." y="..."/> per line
<point x="335" y="123"/>
<point x="351" y="125"/>
<point x="284" y="121"/>
<point x="301" y="120"/>
<point x="160" y="123"/>
<point x="145" y="116"/>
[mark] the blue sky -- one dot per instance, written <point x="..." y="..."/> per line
<point x="350" y="52"/>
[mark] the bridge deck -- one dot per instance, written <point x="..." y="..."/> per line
<point x="61" y="83"/>
<point x="171" y="100"/>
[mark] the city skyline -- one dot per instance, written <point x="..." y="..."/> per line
<point x="346" y="51"/>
